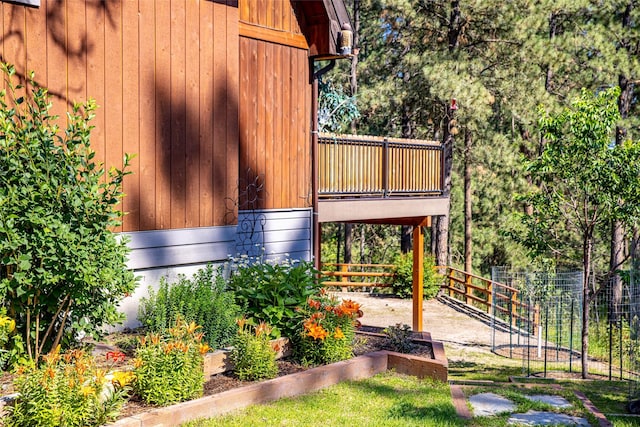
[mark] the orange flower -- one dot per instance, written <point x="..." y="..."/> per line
<point x="203" y="348"/>
<point x="53" y="356"/>
<point x="50" y="373"/>
<point x="323" y="291"/>
<point x="155" y="339"/>
<point x="263" y="328"/>
<point x="313" y="303"/>
<point x="349" y="307"/>
<point x="338" y="334"/>
<point x="198" y="337"/>
<point x="143" y="341"/>
<point x="193" y="327"/>
<point x="317" y="332"/>
<point x="137" y="362"/>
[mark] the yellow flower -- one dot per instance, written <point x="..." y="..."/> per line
<point x="100" y="376"/>
<point x="137" y="362"/>
<point x="87" y="390"/>
<point x="121" y="379"/>
<point x="338" y="334"/>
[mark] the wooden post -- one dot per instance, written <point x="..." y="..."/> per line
<point x="467" y="288"/>
<point x="344" y="268"/>
<point x="418" y="277"/>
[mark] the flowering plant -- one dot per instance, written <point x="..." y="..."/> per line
<point x="327" y="332"/>
<point x="67" y="390"/>
<point x="253" y="356"/>
<point x="170" y="369"/>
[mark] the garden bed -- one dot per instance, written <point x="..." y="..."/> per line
<point x="227" y="393"/>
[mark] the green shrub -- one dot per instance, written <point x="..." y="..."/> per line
<point x="252" y="355"/>
<point x="326" y="335"/>
<point x="201" y="299"/>
<point x="399" y="338"/>
<point x="67" y="390"/>
<point x="170" y="369"/>
<point x="11" y="344"/>
<point x="270" y="292"/>
<point x="403" y="280"/>
<point x="63" y="269"/>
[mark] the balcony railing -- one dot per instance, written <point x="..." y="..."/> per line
<point x="368" y="166"/>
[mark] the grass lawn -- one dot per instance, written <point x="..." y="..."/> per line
<point x="387" y="399"/>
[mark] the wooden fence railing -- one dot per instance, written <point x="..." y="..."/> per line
<point x="358" y="275"/>
<point x="355" y="165"/>
<point x="493" y="297"/>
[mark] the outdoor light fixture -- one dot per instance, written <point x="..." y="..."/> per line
<point x="346" y="39"/>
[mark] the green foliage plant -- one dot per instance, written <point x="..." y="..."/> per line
<point x="203" y="299"/>
<point x="253" y="355"/>
<point x="270" y="291"/>
<point x="327" y="333"/>
<point x="403" y="279"/>
<point x="11" y="344"/>
<point x="399" y="338"/>
<point x="67" y="390"/>
<point x="170" y="368"/>
<point x="62" y="269"/>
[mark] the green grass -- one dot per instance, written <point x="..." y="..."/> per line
<point x="385" y="400"/>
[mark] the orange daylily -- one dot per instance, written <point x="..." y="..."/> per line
<point x="349" y="307"/>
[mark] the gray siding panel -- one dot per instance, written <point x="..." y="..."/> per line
<point x="275" y="234"/>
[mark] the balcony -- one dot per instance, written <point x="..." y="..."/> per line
<point x="383" y="180"/>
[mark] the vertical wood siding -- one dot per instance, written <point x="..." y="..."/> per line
<point x="275" y="99"/>
<point x="165" y="77"/>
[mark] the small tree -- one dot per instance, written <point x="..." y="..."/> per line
<point x="585" y="181"/>
<point x="62" y="270"/>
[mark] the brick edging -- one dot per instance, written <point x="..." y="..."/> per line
<point x="602" y="420"/>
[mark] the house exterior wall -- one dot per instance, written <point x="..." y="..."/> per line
<point x="165" y="77"/>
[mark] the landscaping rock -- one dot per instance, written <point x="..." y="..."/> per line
<point x="550" y="399"/>
<point x="538" y="418"/>
<point x="487" y="404"/>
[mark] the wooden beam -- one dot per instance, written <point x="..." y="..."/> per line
<point x="274" y="36"/>
<point x="418" y="277"/>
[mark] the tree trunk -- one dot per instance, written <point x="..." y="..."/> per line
<point x="348" y="242"/>
<point x="468" y="264"/>
<point x="405" y="239"/>
<point x="354" y="58"/>
<point x="441" y="241"/>
<point x="553" y="26"/>
<point x="586" y="294"/>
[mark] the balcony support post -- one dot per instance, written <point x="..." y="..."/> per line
<point x="418" y="276"/>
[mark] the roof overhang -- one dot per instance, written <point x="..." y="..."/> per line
<point x="322" y="22"/>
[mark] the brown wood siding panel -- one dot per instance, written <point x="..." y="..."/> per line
<point x="163" y="115"/>
<point x="275" y="118"/>
<point x="113" y="105"/>
<point x="131" y="117"/>
<point x="178" y="114"/>
<point x="232" y="123"/>
<point x="205" y="101"/>
<point x="192" y="163"/>
<point x="147" y="116"/>
<point x="167" y="91"/>
<point x="274" y="14"/>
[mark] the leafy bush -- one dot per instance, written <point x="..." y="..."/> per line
<point x="252" y="354"/>
<point x="201" y="299"/>
<point x="403" y="280"/>
<point x="170" y="369"/>
<point x="11" y="344"/>
<point x="63" y="269"/>
<point x="399" y="338"/>
<point x="269" y="292"/>
<point x="326" y="335"/>
<point x="67" y="390"/>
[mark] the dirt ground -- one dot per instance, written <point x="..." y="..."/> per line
<point x="459" y="332"/>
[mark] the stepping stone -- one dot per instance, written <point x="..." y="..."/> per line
<point x="487" y="404"/>
<point x="537" y="418"/>
<point x="553" y="400"/>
